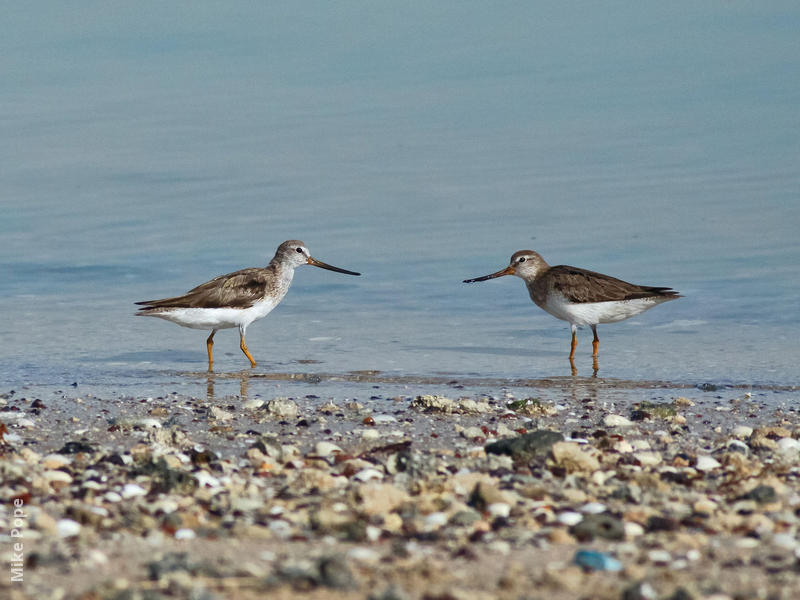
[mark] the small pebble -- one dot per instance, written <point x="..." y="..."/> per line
<point x="435" y="521"/>
<point x="132" y="490"/>
<point x="707" y="463"/>
<point x="185" y="534"/>
<point x="617" y="421"/>
<point x="368" y="475"/>
<point x="596" y="561"/>
<point x="593" y="508"/>
<point x="569" y="518"/>
<point x="67" y="528"/>
<point x="253" y="404"/>
<point x="325" y="449"/>
<point x="659" y="557"/>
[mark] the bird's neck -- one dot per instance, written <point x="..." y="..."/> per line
<point x="283" y="273"/>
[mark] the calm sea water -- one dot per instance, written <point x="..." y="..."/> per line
<point x="150" y="147"/>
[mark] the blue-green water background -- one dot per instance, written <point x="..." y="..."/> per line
<point x="148" y="147"/>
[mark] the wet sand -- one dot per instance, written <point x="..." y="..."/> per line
<point x="435" y="487"/>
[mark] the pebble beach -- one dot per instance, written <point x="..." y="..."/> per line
<point x="556" y="492"/>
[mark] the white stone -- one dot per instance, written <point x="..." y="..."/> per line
<point x="472" y="432"/>
<point x="623" y="447"/>
<point x="471" y="406"/>
<point x="616" y="421"/>
<point x="126" y="459"/>
<point x="282" y="407"/>
<point x="207" y="480"/>
<point x="738" y="446"/>
<point x="569" y="518"/>
<point x="593" y="508"/>
<point x="253" y="404"/>
<point x="788" y="446"/>
<point x="499" y="547"/>
<point x="372" y="533"/>
<point x="499" y="509"/>
<point x="13" y="416"/>
<point x="435" y="521"/>
<point x="324" y="449"/>
<point x="67" y="528"/>
<point x="370" y="434"/>
<point x="363" y="555"/>
<point x="742" y="432"/>
<point x="659" y="557"/>
<point x="368" y="475"/>
<point x="57" y="477"/>
<point x="185" y="534"/>
<point x="633" y="529"/>
<point x="693" y="555"/>
<point x="280" y="528"/>
<point x="648" y="459"/>
<point x="600" y="477"/>
<point x="220" y="415"/>
<point x="504" y="431"/>
<point x="155" y="537"/>
<point x="246" y="504"/>
<point x="96" y="558"/>
<point x="707" y="463"/>
<point x="166" y="506"/>
<point x="131" y="490"/>
<point x="786" y="541"/>
<point x="380" y="419"/>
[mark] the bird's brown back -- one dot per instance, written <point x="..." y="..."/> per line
<point x="240" y="289"/>
<point x="581" y="285"/>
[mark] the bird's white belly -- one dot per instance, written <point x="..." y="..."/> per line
<point x="218" y="318"/>
<point x="592" y="313"/>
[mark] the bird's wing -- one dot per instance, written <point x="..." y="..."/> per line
<point x="580" y="286"/>
<point x="238" y="290"/>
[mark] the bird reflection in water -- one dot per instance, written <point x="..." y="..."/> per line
<point x="244" y="382"/>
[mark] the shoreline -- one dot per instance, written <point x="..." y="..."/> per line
<point x="462" y="382"/>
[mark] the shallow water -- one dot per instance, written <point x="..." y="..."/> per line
<point x="148" y="150"/>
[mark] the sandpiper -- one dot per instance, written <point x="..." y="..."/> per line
<point x="236" y="299"/>
<point x="578" y="296"/>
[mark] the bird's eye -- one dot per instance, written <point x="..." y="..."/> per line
<point x="521" y="259"/>
<point x="300" y="250"/>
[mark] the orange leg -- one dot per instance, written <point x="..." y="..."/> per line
<point x="209" y="347"/>
<point x="574" y="342"/>
<point x="243" y="346"/>
<point x="595" y="341"/>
